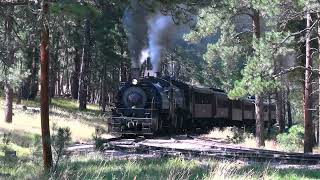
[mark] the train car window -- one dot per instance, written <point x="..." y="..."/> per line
<point x="236" y="104"/>
<point x="248" y="107"/>
<point x="202" y="98"/>
<point x="222" y="103"/>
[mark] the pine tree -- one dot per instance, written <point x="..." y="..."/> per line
<point x="243" y="41"/>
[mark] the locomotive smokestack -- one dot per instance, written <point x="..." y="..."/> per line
<point x="135" y="73"/>
<point x="149" y="69"/>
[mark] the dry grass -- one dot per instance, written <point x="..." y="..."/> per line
<point x="81" y="124"/>
<point x="229" y="170"/>
<point x="250" y="142"/>
<point x="219" y="134"/>
<point x="226" y="135"/>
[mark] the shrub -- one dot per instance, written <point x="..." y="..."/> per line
<point x="6" y="140"/>
<point x="61" y="137"/>
<point x="293" y="140"/>
<point x="98" y="140"/>
<point x="238" y="135"/>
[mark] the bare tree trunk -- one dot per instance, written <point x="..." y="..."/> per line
<point x="9" y="62"/>
<point x="86" y="55"/>
<point x="307" y="93"/>
<point x="44" y="94"/>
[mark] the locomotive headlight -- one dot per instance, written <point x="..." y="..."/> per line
<point x="134" y="81"/>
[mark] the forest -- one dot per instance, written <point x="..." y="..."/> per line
<point x="62" y="63"/>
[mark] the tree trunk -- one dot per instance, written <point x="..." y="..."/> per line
<point x="19" y="96"/>
<point x="289" y="109"/>
<point x="29" y="89"/>
<point x="9" y="62"/>
<point x="258" y="100"/>
<point x="318" y="124"/>
<point x="259" y="121"/>
<point x="55" y="66"/>
<point x="86" y="55"/>
<point x="269" y="115"/>
<point x="279" y="111"/>
<point x="67" y="74"/>
<point x="75" y="75"/>
<point x="58" y="83"/>
<point x="34" y="87"/>
<point x="89" y="86"/>
<point x="104" y="92"/>
<point x="8" y="103"/>
<point x="307" y="93"/>
<point x="44" y="94"/>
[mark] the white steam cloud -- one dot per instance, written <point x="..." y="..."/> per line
<point x="149" y="34"/>
<point x="159" y="34"/>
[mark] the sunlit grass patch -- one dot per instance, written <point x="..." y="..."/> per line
<point x="81" y="124"/>
<point x="242" y="138"/>
<point x="222" y="134"/>
<point x="73" y="105"/>
<point x="31" y="123"/>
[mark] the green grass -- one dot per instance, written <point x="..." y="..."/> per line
<point x="63" y="103"/>
<point x="25" y="140"/>
<point x="28" y="165"/>
<point x="72" y="105"/>
<point x="92" y="167"/>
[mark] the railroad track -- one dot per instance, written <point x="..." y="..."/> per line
<point x="199" y="147"/>
<point x="203" y="147"/>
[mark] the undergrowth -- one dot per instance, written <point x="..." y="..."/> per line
<point x="28" y="165"/>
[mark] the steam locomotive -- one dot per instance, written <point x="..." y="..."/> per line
<point x="151" y="105"/>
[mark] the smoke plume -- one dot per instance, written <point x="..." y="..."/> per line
<point x="161" y="29"/>
<point x="149" y="34"/>
<point x="135" y="23"/>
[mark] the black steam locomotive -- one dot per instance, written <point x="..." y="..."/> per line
<point x="151" y="105"/>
